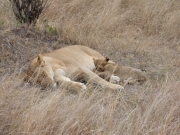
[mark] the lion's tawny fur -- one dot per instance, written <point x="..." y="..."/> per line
<point x="63" y="65"/>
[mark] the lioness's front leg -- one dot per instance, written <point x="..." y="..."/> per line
<point x="59" y="76"/>
<point x="87" y="74"/>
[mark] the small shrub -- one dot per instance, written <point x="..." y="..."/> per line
<point x="28" y="11"/>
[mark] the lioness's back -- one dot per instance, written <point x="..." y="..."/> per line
<point x="76" y="55"/>
<point x="78" y="50"/>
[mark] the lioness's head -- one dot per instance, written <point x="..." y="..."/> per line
<point x="40" y="72"/>
<point x="127" y="74"/>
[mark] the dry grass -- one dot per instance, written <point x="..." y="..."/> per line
<point x="139" y="33"/>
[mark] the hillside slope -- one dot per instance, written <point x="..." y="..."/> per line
<point x="140" y="33"/>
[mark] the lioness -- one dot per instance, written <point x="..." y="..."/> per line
<point x="129" y="75"/>
<point x="63" y="65"/>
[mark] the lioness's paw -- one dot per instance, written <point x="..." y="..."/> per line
<point x="114" y="79"/>
<point x="81" y="86"/>
<point x="54" y="85"/>
<point x="118" y="87"/>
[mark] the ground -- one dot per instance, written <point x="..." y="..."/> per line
<point x="144" y="34"/>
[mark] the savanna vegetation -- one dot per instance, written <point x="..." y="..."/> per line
<point x="144" y="34"/>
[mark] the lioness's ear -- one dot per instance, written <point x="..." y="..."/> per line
<point x="107" y="59"/>
<point x="40" y="60"/>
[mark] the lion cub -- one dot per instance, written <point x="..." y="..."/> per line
<point x="128" y="75"/>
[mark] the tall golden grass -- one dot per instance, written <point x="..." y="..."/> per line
<point x="139" y="33"/>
